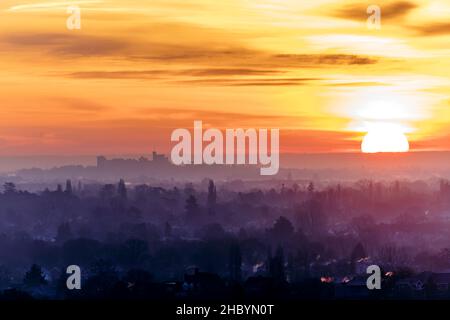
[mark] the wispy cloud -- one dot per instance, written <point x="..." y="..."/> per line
<point x="66" y="44"/>
<point x="229" y="55"/>
<point x="261" y="82"/>
<point x="433" y="29"/>
<point x="50" y="5"/>
<point x="389" y="10"/>
<point x="152" y="74"/>
<point x="357" y="84"/>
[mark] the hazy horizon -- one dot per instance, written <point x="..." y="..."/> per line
<point x="323" y="160"/>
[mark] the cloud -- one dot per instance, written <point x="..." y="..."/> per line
<point x="389" y="10"/>
<point x="61" y="107"/>
<point x="228" y="59"/>
<point x="357" y="84"/>
<point x="227" y="72"/>
<point x="68" y="44"/>
<point x="253" y="58"/>
<point x="130" y="74"/>
<point x="79" y="105"/>
<point x="151" y="74"/>
<point x="324" y="59"/>
<point x="49" y="5"/>
<point x="203" y="77"/>
<point x="251" y="82"/>
<point x="432" y="29"/>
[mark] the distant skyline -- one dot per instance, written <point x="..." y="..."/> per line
<point x="426" y="161"/>
<point x="140" y="68"/>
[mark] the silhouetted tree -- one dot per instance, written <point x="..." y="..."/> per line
<point x="358" y="253"/>
<point x="134" y="214"/>
<point x="282" y="229"/>
<point x="80" y="251"/>
<point x="134" y="251"/>
<point x="212" y="198"/>
<point x="107" y="192"/>
<point x="393" y="257"/>
<point x="15" y="295"/>
<point x="104" y="278"/>
<point x="9" y="188"/>
<point x="310" y="217"/>
<point x="310" y="187"/>
<point x="235" y="263"/>
<point x="64" y="232"/>
<point x="276" y="266"/>
<point x="191" y="206"/>
<point x="69" y="189"/>
<point x="34" y="277"/>
<point x="5" y="276"/>
<point x="122" y="189"/>
<point x="189" y="189"/>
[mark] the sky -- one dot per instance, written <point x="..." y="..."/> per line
<point x="138" y="69"/>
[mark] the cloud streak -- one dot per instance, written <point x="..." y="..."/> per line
<point x="389" y="10"/>
<point x="50" y="5"/>
<point x="236" y="59"/>
<point x="433" y="29"/>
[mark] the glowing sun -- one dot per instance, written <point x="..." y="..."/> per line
<point x="385" y="138"/>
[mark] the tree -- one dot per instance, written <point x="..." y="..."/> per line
<point x="134" y="214"/>
<point x="276" y="266"/>
<point x="69" y="189"/>
<point x="134" y="251"/>
<point x="358" y="253"/>
<point x="64" y="232"/>
<point x="80" y="251"/>
<point x="9" y="188"/>
<point x="311" y="188"/>
<point x="282" y="229"/>
<point x="122" y="189"/>
<point x="103" y="278"/>
<point x="310" y="217"/>
<point x="5" y="276"/>
<point x="393" y="257"/>
<point x="235" y="263"/>
<point x="107" y="191"/>
<point x="212" y="197"/>
<point x="34" y="277"/>
<point x="189" y="189"/>
<point x="191" y="206"/>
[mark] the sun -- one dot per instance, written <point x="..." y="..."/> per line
<point x="385" y="137"/>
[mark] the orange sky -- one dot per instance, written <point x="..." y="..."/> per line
<point x="138" y="69"/>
